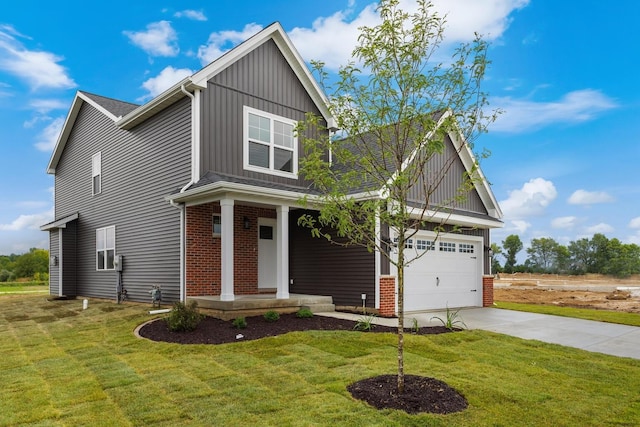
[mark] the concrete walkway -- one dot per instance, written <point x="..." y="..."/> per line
<point x="600" y="337"/>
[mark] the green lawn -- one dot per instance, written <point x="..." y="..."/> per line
<point x="61" y="365"/>
<point x="631" y="319"/>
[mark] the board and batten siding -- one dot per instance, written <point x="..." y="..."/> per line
<point x="450" y="186"/>
<point x="318" y="267"/>
<point x="262" y="80"/>
<point x="139" y="167"/>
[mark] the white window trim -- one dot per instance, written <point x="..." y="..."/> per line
<point x="245" y="144"/>
<point x="105" y="249"/>
<point x="96" y="170"/>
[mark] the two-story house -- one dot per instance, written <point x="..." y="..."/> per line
<point x="198" y="191"/>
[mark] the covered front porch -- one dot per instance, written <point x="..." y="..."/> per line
<point x="257" y="304"/>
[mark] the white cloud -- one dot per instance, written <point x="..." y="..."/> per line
<point x="195" y="15"/>
<point x="520" y="226"/>
<point x="490" y="18"/>
<point x="583" y="197"/>
<point x="531" y="200"/>
<point x="220" y="42"/>
<point x="574" y="107"/>
<point x="49" y="135"/>
<point x="635" y="222"/>
<point x="39" y="69"/>
<point x="600" y="228"/>
<point x="43" y="106"/>
<point x="28" y="222"/>
<point x="163" y="81"/>
<point x="160" y="39"/>
<point x="332" y="39"/>
<point x="566" y="222"/>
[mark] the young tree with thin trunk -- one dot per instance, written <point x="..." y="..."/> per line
<point x="395" y="107"/>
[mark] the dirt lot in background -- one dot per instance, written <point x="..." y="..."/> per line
<point x="590" y="291"/>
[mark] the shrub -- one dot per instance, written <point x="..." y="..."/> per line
<point x="184" y="317"/>
<point x="304" y="313"/>
<point x="365" y="323"/>
<point x="271" y="316"/>
<point x="239" y="323"/>
<point x="452" y="320"/>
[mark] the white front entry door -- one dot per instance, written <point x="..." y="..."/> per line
<point x="267" y="253"/>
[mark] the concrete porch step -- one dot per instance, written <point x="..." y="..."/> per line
<point x="253" y="305"/>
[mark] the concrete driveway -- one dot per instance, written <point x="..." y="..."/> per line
<point x="600" y="337"/>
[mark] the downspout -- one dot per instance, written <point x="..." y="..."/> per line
<point x="195" y="172"/>
<point x="193" y="138"/>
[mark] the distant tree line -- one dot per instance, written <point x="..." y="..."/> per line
<point x="596" y="255"/>
<point x="33" y="265"/>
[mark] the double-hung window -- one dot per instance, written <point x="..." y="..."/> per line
<point x="105" y="247"/>
<point x="270" y="143"/>
<point x="96" y="173"/>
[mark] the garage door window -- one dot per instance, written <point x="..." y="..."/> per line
<point x="408" y="244"/>
<point x="447" y="247"/>
<point x="424" y="245"/>
<point x="465" y="248"/>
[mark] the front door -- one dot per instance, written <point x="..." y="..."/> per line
<point x="267" y="253"/>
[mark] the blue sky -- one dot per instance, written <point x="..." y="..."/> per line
<point x="564" y="153"/>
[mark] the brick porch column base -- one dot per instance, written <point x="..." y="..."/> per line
<point x="387" y="296"/>
<point x="487" y="291"/>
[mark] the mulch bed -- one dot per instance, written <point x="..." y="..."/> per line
<point x="216" y="331"/>
<point x="421" y="394"/>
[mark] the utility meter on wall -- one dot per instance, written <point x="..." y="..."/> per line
<point x="117" y="263"/>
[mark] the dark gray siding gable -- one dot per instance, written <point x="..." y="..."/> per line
<point x="262" y="80"/>
<point x="451" y="185"/>
<point x="139" y="167"/>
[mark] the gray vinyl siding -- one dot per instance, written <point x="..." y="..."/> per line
<point x="54" y="270"/>
<point x="450" y="185"/>
<point x="139" y="167"/>
<point x="318" y="267"/>
<point x="262" y="80"/>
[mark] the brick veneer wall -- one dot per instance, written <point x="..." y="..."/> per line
<point x="387" y="296"/>
<point x="487" y="291"/>
<point x="203" y="250"/>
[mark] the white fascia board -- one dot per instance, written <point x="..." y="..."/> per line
<point x="454" y="218"/>
<point x="469" y="161"/>
<point x="217" y="190"/>
<point x="78" y="100"/>
<point x="483" y="188"/>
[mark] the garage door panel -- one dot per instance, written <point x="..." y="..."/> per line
<point x="445" y="275"/>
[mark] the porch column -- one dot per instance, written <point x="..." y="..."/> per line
<point x="282" y="248"/>
<point x="226" y="240"/>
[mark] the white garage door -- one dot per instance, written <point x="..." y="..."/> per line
<point x="446" y="274"/>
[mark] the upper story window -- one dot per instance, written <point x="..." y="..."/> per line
<point x="270" y="144"/>
<point x="105" y="247"/>
<point x="96" y="173"/>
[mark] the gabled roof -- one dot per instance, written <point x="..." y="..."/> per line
<point x="464" y="152"/>
<point x="199" y="80"/>
<point x="127" y="115"/>
<point x="111" y="108"/>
